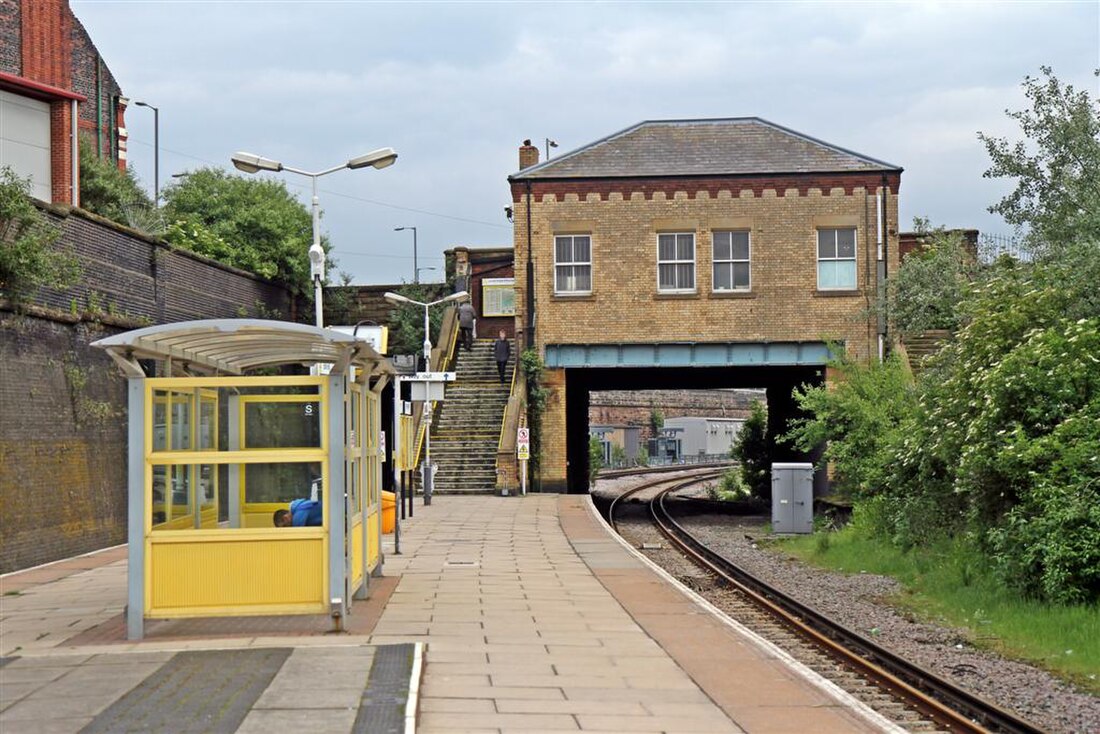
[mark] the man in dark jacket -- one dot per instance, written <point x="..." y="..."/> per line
<point x="502" y="350"/>
<point x="466" y="316"/>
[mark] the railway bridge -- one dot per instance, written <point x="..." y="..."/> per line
<point x="713" y="253"/>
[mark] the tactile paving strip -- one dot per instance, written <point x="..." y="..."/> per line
<point x="201" y="691"/>
<point x="382" y="708"/>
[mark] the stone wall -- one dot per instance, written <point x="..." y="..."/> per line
<point x="63" y="403"/>
<point x="633" y="408"/>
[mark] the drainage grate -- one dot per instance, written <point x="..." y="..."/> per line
<point x="204" y="691"/>
<point x="382" y="707"/>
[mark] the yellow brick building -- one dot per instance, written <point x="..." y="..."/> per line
<point x="677" y="253"/>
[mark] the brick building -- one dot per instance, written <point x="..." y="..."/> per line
<point x="722" y="253"/>
<point x="54" y="86"/>
<point x="488" y="273"/>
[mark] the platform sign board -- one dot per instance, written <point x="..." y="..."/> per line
<point x="428" y="385"/>
<point x="523" y="444"/>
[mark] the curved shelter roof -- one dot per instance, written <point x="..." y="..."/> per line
<point x="234" y="346"/>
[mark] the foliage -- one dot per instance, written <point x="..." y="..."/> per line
<point x="642" y="457"/>
<point x="753" y="450"/>
<point x="249" y="223"/>
<point x="656" y="420"/>
<point x="932" y="282"/>
<point x="1056" y="167"/>
<point x="859" y="418"/>
<point x="951" y="579"/>
<point x="29" y="258"/>
<point x="406" y="321"/>
<point x="109" y="191"/>
<point x="595" y="458"/>
<point x="537" y="396"/>
<point x="618" y="455"/>
<point x="730" y="487"/>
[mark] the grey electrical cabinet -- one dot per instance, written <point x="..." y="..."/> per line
<point x="792" y="498"/>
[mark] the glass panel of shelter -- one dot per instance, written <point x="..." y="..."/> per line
<point x="185" y="494"/>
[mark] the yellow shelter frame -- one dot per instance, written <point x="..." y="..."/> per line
<point x="192" y="440"/>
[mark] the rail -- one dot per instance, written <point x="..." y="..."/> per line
<point x="949" y="706"/>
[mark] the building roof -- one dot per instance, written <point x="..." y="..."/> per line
<point x="712" y="147"/>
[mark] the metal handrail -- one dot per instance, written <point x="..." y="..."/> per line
<point x="507" y="407"/>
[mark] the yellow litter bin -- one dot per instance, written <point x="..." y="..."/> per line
<point x="389" y="510"/>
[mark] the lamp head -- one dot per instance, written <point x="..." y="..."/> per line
<point x="252" y="163"/>
<point x="460" y="296"/>
<point x="376" y="158"/>
<point x="397" y="298"/>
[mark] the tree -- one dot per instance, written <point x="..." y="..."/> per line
<point x="111" y="192"/>
<point x="928" y="287"/>
<point x="595" y="458"/>
<point x="656" y="420"/>
<point x="29" y="258"/>
<point x="1056" y="167"/>
<point x="249" y="223"/>
<point x="407" y="321"/>
<point x="752" y="450"/>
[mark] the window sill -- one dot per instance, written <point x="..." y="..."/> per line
<point x="573" y="297"/>
<point x="676" y="296"/>
<point x="732" y="294"/>
<point x="838" y="293"/>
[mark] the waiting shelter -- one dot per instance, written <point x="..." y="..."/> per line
<point x="225" y="439"/>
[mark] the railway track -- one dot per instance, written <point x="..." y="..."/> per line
<point x="913" y="698"/>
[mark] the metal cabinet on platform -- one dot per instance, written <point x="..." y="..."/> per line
<point x="792" y="498"/>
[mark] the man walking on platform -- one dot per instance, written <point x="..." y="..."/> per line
<point x="466" y="316"/>
<point x="502" y="350"/>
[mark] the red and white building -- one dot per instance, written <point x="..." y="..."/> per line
<point x="54" y="89"/>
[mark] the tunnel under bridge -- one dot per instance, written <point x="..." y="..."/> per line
<point x="573" y="372"/>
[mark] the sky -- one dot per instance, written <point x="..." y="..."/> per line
<point x="455" y="87"/>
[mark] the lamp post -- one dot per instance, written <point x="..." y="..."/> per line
<point x="156" y="152"/>
<point x="252" y="163"/>
<point x="550" y="144"/>
<point x="427" y="464"/>
<point x="418" y="273"/>
<point x="416" y="270"/>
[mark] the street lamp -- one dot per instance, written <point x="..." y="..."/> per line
<point x="252" y="163"/>
<point x="416" y="270"/>
<point x="398" y="298"/>
<point x="156" y="151"/>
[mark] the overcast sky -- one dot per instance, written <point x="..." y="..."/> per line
<point x="455" y="88"/>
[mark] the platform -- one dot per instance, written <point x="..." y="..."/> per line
<point x="533" y="618"/>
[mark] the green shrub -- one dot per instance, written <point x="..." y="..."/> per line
<point x="595" y="458"/>
<point x="753" y="450"/>
<point x="107" y="190"/>
<point x="859" y="418"/>
<point x="29" y="257"/>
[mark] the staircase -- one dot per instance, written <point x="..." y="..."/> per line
<point x="466" y="428"/>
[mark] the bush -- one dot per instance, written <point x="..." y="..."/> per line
<point x="859" y="418"/>
<point x="109" y="191"/>
<point x="595" y="458"/>
<point x="29" y="258"/>
<point x="753" y="450"/>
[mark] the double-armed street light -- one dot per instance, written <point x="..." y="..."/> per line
<point x="398" y="298"/>
<point x="252" y="163"/>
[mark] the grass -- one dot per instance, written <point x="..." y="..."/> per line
<point x="947" y="583"/>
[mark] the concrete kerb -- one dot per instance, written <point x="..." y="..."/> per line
<point x="826" y="686"/>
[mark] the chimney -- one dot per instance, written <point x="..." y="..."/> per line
<point x="528" y="155"/>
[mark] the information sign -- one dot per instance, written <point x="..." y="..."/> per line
<point x="523" y="444"/>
